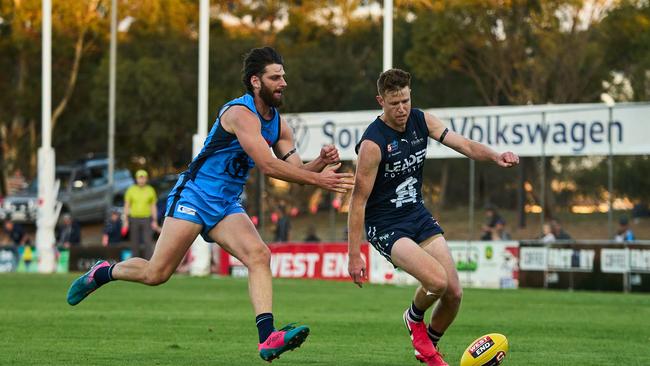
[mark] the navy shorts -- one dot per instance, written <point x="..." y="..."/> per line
<point x="418" y="227"/>
<point x="188" y="201"/>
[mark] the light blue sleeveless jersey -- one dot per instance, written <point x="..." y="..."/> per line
<point x="210" y="188"/>
<point x="222" y="166"/>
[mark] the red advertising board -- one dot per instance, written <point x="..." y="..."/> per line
<point x="301" y="260"/>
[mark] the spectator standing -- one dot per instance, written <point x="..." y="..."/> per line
<point x="311" y="235"/>
<point x="141" y="215"/>
<point x="16" y="233"/>
<point x="283" y="227"/>
<point x="4" y="240"/>
<point x="161" y="207"/>
<point x="491" y="220"/>
<point x="558" y="231"/>
<point x="16" y="182"/>
<point x="547" y="234"/>
<point x="20" y="242"/>
<point x="499" y="231"/>
<point x="624" y="233"/>
<point x="26" y="254"/>
<point x="112" y="230"/>
<point x="68" y="233"/>
<point x="639" y="210"/>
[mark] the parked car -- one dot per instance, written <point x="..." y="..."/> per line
<point x="84" y="193"/>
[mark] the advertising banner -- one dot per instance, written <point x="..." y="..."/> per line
<point x="640" y="260"/>
<point x="480" y="264"/>
<point x="589" y="265"/>
<point x="571" y="259"/>
<point x="557" y="259"/>
<point x="632" y="260"/>
<point x="301" y="260"/>
<point x="533" y="259"/>
<point x="614" y="261"/>
<point x="562" y="130"/>
<point x="25" y="259"/>
<point x="82" y="258"/>
<point x="489" y="264"/>
<point x="8" y="260"/>
<point x="381" y="271"/>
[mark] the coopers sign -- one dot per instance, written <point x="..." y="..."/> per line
<point x="565" y="130"/>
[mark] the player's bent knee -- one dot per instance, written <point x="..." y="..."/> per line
<point x="436" y="285"/>
<point x="259" y="257"/>
<point x="155" y="278"/>
<point x="454" y="295"/>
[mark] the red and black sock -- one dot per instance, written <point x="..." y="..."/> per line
<point x="415" y="314"/>
<point x="434" y="336"/>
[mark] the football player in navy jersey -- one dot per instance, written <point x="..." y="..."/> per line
<point x="205" y="200"/>
<point x="387" y="205"/>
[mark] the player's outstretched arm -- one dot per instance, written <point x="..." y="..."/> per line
<point x="245" y="125"/>
<point x="367" y="165"/>
<point x="472" y="149"/>
<point x="285" y="149"/>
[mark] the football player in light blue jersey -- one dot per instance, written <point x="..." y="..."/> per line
<point x="205" y="200"/>
<point x="387" y="200"/>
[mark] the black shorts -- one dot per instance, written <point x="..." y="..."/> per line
<point x="418" y="227"/>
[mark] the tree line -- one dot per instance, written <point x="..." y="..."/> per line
<point x="460" y="54"/>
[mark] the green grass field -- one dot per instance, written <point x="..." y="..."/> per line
<point x="209" y="321"/>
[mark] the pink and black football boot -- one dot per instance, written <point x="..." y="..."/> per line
<point x="286" y="339"/>
<point x="85" y="285"/>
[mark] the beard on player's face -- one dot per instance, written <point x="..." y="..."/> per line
<point x="272" y="98"/>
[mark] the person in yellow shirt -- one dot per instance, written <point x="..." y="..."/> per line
<point x="140" y="215"/>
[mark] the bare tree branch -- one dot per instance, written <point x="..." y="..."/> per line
<point x="72" y="80"/>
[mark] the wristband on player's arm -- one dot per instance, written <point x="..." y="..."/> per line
<point x="443" y="135"/>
